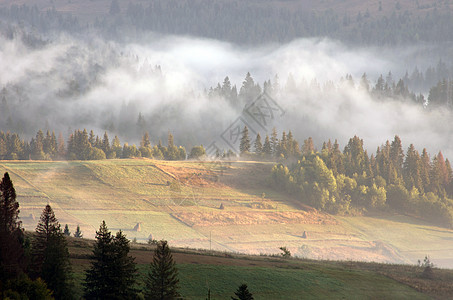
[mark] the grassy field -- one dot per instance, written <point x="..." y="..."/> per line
<point x="180" y="202"/>
<point x="278" y="278"/>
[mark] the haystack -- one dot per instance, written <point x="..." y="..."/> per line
<point x="137" y="227"/>
<point x="304" y="236"/>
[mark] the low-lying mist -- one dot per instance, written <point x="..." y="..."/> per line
<point x="71" y="83"/>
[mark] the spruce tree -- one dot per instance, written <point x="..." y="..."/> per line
<point x="78" y="233"/>
<point x="162" y="280"/>
<point x="397" y="154"/>
<point x="258" y="144"/>
<point x="98" y="277"/>
<point x="11" y="234"/>
<point x="244" y="145"/>
<point x="51" y="255"/>
<point x="274" y="141"/>
<point x="145" y="142"/>
<point x="125" y="266"/>
<point x="242" y="293"/>
<point x="66" y="230"/>
<point x="112" y="273"/>
<point x="267" y="147"/>
<point x="106" y="145"/>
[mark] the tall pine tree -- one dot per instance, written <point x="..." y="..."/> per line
<point x="51" y="255"/>
<point x="267" y="147"/>
<point x="258" y="144"/>
<point x="244" y="146"/>
<point x="162" y="280"/>
<point x="12" y="259"/>
<point x="242" y="293"/>
<point x="112" y="273"/>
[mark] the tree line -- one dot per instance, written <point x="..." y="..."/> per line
<point x="385" y="87"/>
<point x="352" y="181"/>
<point x="82" y="145"/>
<point x="430" y="89"/>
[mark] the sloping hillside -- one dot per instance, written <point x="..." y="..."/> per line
<point x="227" y="207"/>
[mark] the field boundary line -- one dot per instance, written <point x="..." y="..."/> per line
<point x="165" y="172"/>
<point x="28" y="182"/>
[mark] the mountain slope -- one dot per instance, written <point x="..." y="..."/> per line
<point x="181" y="202"/>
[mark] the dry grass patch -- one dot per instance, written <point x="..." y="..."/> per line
<point x="252" y="217"/>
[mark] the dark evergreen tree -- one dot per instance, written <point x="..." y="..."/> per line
<point x="116" y="147"/>
<point x="99" y="276"/>
<point x="12" y="260"/>
<point x="397" y="154"/>
<point x="112" y="273"/>
<point x="162" y="280"/>
<point x="274" y="141"/>
<point x="412" y="170"/>
<point x="354" y="156"/>
<point x="172" y="152"/>
<point x="267" y="147"/>
<point x="51" y="255"/>
<point x="282" y="149"/>
<point x="125" y="269"/>
<point x="425" y="170"/>
<point x="364" y="83"/>
<point x="145" y="140"/>
<point x="92" y="139"/>
<point x="244" y="146"/>
<point x="258" y="144"/>
<point x="242" y="293"/>
<point x="37" y="152"/>
<point x="66" y="230"/>
<point x="78" y="233"/>
<point x="249" y="90"/>
<point x="106" y="145"/>
<point x="336" y="159"/>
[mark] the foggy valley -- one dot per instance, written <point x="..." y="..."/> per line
<point x="241" y="132"/>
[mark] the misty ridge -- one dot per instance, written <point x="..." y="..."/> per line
<point x="327" y="89"/>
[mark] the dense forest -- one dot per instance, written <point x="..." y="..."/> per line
<point x="251" y="22"/>
<point x="351" y="180"/>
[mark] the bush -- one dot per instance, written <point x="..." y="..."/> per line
<point x="197" y="152"/>
<point x="96" y="154"/>
<point x="25" y="288"/>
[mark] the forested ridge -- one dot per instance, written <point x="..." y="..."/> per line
<point x="247" y="22"/>
<point x="351" y="180"/>
<point x="339" y="181"/>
